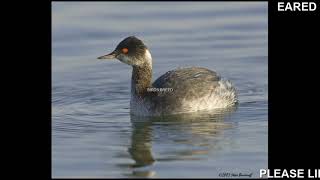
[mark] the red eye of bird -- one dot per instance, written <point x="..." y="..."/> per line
<point x="125" y="50"/>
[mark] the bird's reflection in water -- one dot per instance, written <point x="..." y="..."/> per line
<point x="175" y="137"/>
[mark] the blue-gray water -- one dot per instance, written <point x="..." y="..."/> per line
<point x="93" y="134"/>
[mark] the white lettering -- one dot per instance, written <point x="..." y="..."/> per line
<point x="278" y="173"/>
<point x="316" y="173"/>
<point x="280" y="6"/>
<point x="297" y="6"/>
<point x="262" y="172"/>
<point x="288" y="6"/>
<point x="305" y="6"/>
<point x="300" y="173"/>
<point x="285" y="174"/>
<point x="314" y="6"/>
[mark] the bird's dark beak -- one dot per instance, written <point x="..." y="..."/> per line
<point x="109" y="56"/>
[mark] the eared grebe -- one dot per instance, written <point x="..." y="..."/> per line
<point x="181" y="90"/>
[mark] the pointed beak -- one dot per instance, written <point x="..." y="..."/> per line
<point x="109" y="56"/>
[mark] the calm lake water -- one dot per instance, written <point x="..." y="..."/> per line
<point x="93" y="134"/>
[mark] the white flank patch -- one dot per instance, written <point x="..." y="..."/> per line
<point x="220" y="97"/>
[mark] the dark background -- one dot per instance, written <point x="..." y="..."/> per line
<point x="293" y="74"/>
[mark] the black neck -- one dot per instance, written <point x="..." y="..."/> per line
<point x="141" y="79"/>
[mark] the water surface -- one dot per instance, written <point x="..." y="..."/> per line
<point x="93" y="134"/>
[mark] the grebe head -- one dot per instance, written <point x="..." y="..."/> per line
<point x="131" y="51"/>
